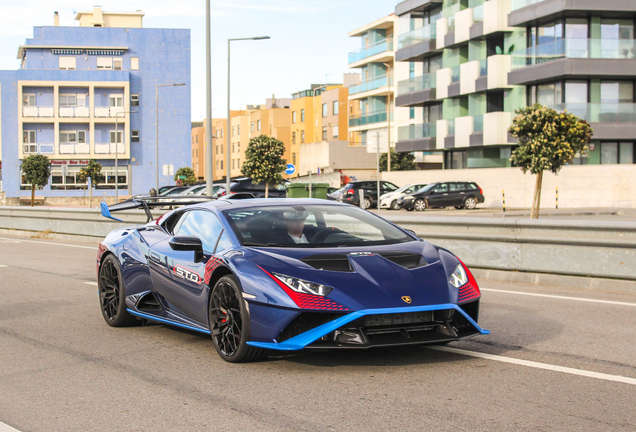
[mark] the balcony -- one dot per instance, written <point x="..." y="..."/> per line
<point x="74" y="112"/>
<point x="380" y="47"/>
<point x="417" y="44"/>
<point x="417" y="91"/>
<point x="74" y="148"/>
<point x="34" y="111"/>
<point x="573" y="57"/>
<point x="416" y="137"/>
<point x="109" y="148"/>
<point x="109" y="112"/>
<point x="39" y="148"/>
<point x="535" y="12"/>
<point x="369" y="118"/>
<point x="371" y="84"/>
<point x="422" y="34"/>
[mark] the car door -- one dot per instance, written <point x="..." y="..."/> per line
<point x="456" y="192"/>
<point x="438" y="196"/>
<point x="177" y="278"/>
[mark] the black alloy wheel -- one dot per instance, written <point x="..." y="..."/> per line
<point x="112" y="295"/>
<point x="395" y="205"/>
<point x="229" y="323"/>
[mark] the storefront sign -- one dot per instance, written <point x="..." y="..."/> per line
<point x="69" y="162"/>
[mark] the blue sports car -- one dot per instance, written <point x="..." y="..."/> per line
<point x="284" y="274"/>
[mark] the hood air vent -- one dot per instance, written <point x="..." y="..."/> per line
<point x="331" y="262"/>
<point x="408" y="260"/>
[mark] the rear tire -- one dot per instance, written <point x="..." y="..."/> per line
<point x="366" y="204"/>
<point x="394" y="205"/>
<point x="470" y="203"/>
<point x="230" y="323"/>
<point x="112" y="294"/>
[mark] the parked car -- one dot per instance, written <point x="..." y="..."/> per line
<point x="351" y="193"/>
<point x="258" y="190"/>
<point x="335" y="195"/>
<point x="436" y="195"/>
<point x="389" y="200"/>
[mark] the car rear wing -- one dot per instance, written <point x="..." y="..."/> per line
<point x="148" y="202"/>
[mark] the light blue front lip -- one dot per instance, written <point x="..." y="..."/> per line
<point x="302" y="340"/>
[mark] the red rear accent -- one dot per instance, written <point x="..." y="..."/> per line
<point x="350" y="191"/>
<point x="469" y="291"/>
<point x="307" y="301"/>
<point x="480" y="190"/>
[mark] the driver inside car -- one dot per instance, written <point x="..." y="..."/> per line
<point x="296" y="232"/>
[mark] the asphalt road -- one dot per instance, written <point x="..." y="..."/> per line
<point x="554" y="363"/>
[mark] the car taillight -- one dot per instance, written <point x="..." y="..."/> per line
<point x="223" y="193"/>
<point x="480" y="190"/>
<point x="350" y="191"/>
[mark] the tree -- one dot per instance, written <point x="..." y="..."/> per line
<point x="91" y="171"/>
<point x="547" y="141"/>
<point x="399" y="161"/>
<point x="36" y="170"/>
<point x="264" y="161"/>
<point x="190" y="176"/>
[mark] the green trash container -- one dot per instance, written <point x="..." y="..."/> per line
<point x="301" y="190"/>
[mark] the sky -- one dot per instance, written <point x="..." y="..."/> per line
<point x="308" y="45"/>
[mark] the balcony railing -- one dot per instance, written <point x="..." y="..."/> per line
<point x="451" y="127"/>
<point x="74" y="148"/>
<point x="109" y="148"/>
<point x="109" y="112"/>
<point x="455" y="74"/>
<point x="518" y="4"/>
<point x="418" y="83"/>
<point x="418" y="35"/>
<point x="371" y="50"/>
<point x="478" y="123"/>
<point x="575" y="48"/>
<point x="72" y="111"/>
<point x="371" y="84"/>
<point x="478" y="13"/>
<point x="417" y="131"/>
<point x="483" y="67"/>
<point x="601" y="112"/>
<point x="368" y="118"/>
<point x="34" y="111"/>
<point x="39" y="148"/>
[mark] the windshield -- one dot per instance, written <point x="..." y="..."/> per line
<point x="427" y="188"/>
<point x="321" y="226"/>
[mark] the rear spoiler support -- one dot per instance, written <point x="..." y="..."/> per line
<point x="146" y="203"/>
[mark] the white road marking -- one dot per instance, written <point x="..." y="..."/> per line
<point x="91" y="283"/>
<point x="536" y="365"/>
<point x="54" y="244"/>
<point x="7" y="428"/>
<point x="560" y="297"/>
<point x="1" y="265"/>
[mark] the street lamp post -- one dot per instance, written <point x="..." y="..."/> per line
<point x="227" y="159"/>
<point x="388" y="116"/>
<point x="117" y="150"/>
<point x="157" y="126"/>
<point x="209" y="176"/>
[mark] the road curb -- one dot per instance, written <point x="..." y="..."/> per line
<point x="585" y="283"/>
<point x="50" y="235"/>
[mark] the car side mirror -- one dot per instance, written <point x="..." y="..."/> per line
<point x="188" y="243"/>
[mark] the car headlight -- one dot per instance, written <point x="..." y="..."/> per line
<point x="459" y="277"/>
<point x="303" y="286"/>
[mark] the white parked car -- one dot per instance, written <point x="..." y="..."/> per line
<point x="389" y="200"/>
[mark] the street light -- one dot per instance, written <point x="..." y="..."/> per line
<point x="209" y="180"/>
<point x="227" y="159"/>
<point x="117" y="150"/>
<point x="157" y="126"/>
<point x="388" y="117"/>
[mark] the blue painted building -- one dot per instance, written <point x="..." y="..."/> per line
<point x="89" y="92"/>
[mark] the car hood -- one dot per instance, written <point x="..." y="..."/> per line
<point x="379" y="276"/>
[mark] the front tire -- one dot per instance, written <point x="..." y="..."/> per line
<point x="395" y="205"/>
<point x="420" y="205"/>
<point x="112" y="294"/>
<point x="230" y="323"/>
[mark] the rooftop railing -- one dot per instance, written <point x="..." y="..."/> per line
<point x="371" y="50"/>
<point x="417" y="83"/>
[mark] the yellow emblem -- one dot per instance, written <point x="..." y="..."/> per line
<point x="406" y="299"/>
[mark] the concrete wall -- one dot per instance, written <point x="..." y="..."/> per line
<point x="579" y="186"/>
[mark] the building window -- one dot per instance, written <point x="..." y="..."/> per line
<point x="217" y="149"/>
<point x="104" y="63"/>
<point x="302" y="115"/>
<point x="238" y="146"/>
<point x="302" y="137"/>
<point x="117" y="63"/>
<point x="411" y="113"/>
<point x="134" y="136"/>
<point x="294" y="158"/>
<point x="67" y="63"/>
<point x="29" y="142"/>
<point x="134" y="100"/>
<point x="258" y="124"/>
<point x="238" y="130"/>
<point x="221" y="164"/>
<point x="108" y="178"/>
<point x="28" y="99"/>
<point x="324" y="110"/>
<point x="116" y="100"/>
<point x="233" y="148"/>
<point x="293" y="137"/>
<point x="411" y="69"/>
<point x="196" y="139"/>
<point x="232" y="130"/>
<point x="495" y="101"/>
<point x="617" y="153"/>
<point x="221" y="133"/>
<point x="293" y="118"/>
<point x="70" y="182"/>
<point x="116" y="137"/>
<point x="335" y="132"/>
<point x="335" y="108"/>
<point x="134" y="63"/>
<point x="252" y="127"/>
<point x="67" y="100"/>
<point x="324" y="133"/>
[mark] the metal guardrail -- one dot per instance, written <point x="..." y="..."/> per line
<point x="604" y="249"/>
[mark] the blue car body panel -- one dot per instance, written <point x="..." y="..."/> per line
<point x="376" y="285"/>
